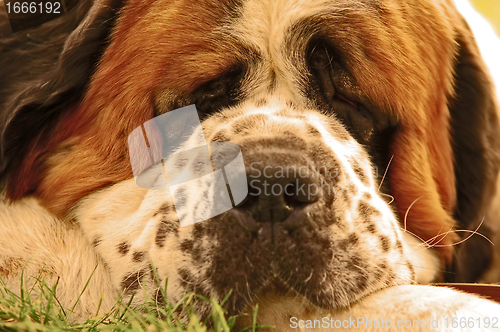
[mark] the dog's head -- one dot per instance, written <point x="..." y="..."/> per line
<point x="356" y="119"/>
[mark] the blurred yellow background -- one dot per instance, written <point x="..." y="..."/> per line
<point x="490" y="9"/>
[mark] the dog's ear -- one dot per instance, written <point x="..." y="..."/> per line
<point x="476" y="148"/>
<point x="47" y="97"/>
<point x="446" y="148"/>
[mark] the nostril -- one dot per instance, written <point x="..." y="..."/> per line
<point x="298" y="193"/>
<point x="275" y="195"/>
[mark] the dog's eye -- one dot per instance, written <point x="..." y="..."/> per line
<point x="340" y="91"/>
<point x="220" y="92"/>
<point x="210" y="97"/>
<point x="339" y="96"/>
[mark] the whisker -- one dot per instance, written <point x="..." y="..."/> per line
<point x="432" y="243"/>
<point x="415" y="235"/>
<point x="330" y="59"/>
<point x="441" y="237"/>
<point x="408" y="210"/>
<point x="468" y="237"/>
<point x="422" y="267"/>
<point x="312" y="51"/>
<point x="387" y="195"/>
<point x="385" y="173"/>
<point x="423" y="245"/>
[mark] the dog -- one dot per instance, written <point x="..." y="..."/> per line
<point x="384" y="107"/>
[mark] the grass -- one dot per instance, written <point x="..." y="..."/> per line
<point x="38" y="309"/>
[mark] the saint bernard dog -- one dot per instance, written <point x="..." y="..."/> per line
<point x="383" y="105"/>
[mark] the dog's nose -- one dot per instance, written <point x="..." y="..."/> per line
<point x="277" y="193"/>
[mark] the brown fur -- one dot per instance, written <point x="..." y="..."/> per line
<point x="176" y="40"/>
<point x="121" y="93"/>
